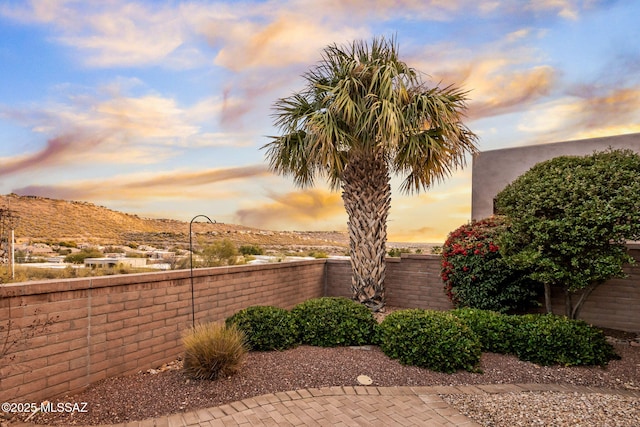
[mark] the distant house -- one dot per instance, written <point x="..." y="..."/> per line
<point x="40" y="250"/>
<point x="164" y="255"/>
<point x="114" y="262"/>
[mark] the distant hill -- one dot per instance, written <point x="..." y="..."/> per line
<point x="51" y="220"/>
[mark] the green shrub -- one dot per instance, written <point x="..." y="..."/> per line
<point x="79" y="257"/>
<point x="397" y="252"/>
<point x="495" y="330"/>
<point x="218" y="253"/>
<point x="430" y="339"/>
<point x="251" y="250"/>
<point x="266" y="327"/>
<point x="334" y="321"/>
<point x="318" y="254"/>
<point x="213" y="351"/>
<point x="475" y="274"/>
<point x="549" y="339"/>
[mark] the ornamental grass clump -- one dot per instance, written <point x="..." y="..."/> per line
<point x="334" y="321"/>
<point x="266" y="327"/>
<point x="430" y="339"/>
<point x="213" y="351"/>
<point x="476" y="275"/>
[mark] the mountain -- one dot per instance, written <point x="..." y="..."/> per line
<point x="40" y="219"/>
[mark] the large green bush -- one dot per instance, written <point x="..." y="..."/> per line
<point x="494" y="330"/>
<point x="570" y="218"/>
<point x="334" y="321"/>
<point x="266" y="327"/>
<point x="549" y="339"/>
<point x="475" y="274"/>
<point x="542" y="339"/>
<point x="429" y="339"/>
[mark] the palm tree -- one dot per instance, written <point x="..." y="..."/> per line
<point x="363" y="115"/>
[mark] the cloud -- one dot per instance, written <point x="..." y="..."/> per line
<point x="57" y="150"/>
<point x="590" y="115"/>
<point x="567" y="9"/>
<point x="111" y="127"/>
<point x="175" y="184"/>
<point x="315" y="207"/>
<point x="505" y="93"/>
<point x="502" y="76"/>
<point x="114" y="33"/>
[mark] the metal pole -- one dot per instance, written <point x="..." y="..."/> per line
<point x="193" y="304"/>
<point x="13" y="256"/>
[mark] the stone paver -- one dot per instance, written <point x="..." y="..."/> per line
<point x="350" y="406"/>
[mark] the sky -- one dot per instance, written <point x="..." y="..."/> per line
<point x="160" y="108"/>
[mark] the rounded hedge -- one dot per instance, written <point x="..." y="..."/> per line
<point x="334" y="321"/>
<point x="429" y="339"/>
<point x="475" y="274"/>
<point x="494" y="330"/>
<point x="548" y="339"/>
<point x="266" y="327"/>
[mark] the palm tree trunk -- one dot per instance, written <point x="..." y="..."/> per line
<point x="366" y="193"/>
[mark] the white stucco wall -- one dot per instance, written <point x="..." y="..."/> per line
<point x="493" y="170"/>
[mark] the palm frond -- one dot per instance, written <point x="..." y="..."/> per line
<point x="362" y="98"/>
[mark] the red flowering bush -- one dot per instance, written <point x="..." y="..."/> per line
<point x="475" y="274"/>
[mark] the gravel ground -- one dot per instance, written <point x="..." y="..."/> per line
<point x="167" y="390"/>
<point x="548" y="409"/>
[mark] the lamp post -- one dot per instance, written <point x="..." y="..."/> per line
<point x="193" y="304"/>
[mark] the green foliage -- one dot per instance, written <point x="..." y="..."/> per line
<point x="549" y="339"/>
<point x="266" y="327"/>
<point x="213" y="351"/>
<point x="436" y="250"/>
<point x="79" y="257"/>
<point x="318" y="254"/>
<point x="251" y="250"/>
<point x="221" y="252"/>
<point x="476" y="275"/>
<point x="362" y="99"/>
<point x="542" y="339"/>
<point x="334" y="321"/>
<point x="571" y="216"/>
<point x="495" y="330"/>
<point x="397" y="252"/>
<point x="20" y="256"/>
<point x="70" y="244"/>
<point x="24" y="273"/>
<point x="430" y="339"/>
<point x="131" y="254"/>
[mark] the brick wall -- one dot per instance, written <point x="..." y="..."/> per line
<point x="614" y="304"/>
<point x="117" y="325"/>
<point x="412" y="281"/>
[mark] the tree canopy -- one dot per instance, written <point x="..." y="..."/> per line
<point x="570" y="218"/>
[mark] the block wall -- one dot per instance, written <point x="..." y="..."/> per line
<point x="118" y="325"/>
<point x="412" y="281"/>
